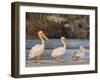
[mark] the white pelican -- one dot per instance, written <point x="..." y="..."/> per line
<point x="79" y="54"/>
<point x="58" y="53"/>
<point x="37" y="50"/>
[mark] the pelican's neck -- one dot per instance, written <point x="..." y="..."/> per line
<point x="42" y="41"/>
<point x="63" y="43"/>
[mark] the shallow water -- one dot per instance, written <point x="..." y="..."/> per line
<point x="54" y="43"/>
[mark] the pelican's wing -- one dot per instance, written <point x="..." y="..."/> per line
<point x="33" y="49"/>
<point x="79" y="53"/>
<point x="58" y="51"/>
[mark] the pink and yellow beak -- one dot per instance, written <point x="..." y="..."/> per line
<point x="44" y="36"/>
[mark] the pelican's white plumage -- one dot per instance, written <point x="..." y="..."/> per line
<point x="59" y="52"/>
<point x="80" y="53"/>
<point x="37" y="50"/>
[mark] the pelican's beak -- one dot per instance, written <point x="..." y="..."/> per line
<point x="44" y="36"/>
<point x="67" y="42"/>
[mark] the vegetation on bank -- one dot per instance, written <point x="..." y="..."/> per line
<point x="57" y="25"/>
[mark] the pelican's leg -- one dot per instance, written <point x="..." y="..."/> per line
<point x="78" y="59"/>
<point x="32" y="60"/>
<point x="38" y="59"/>
<point x="53" y="58"/>
<point x="57" y="59"/>
<point x="35" y="59"/>
<point x="61" y="57"/>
